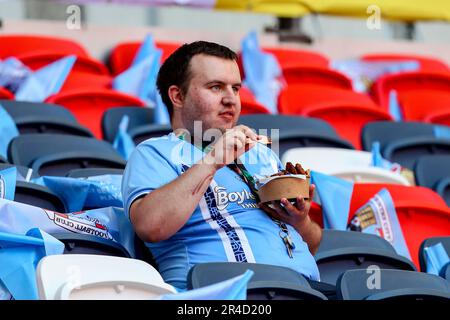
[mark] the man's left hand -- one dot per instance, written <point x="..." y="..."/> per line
<point x="295" y="215"/>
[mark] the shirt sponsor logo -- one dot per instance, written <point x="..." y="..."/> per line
<point x="83" y="225"/>
<point x="224" y="198"/>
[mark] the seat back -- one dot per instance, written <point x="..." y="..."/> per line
<point x="269" y="282"/>
<point x="6" y="94"/>
<point x="13" y="45"/>
<point x="88" y="106"/>
<point x="317" y="76"/>
<point x="90" y="172"/>
<point x="137" y="117"/>
<point x="407" y="82"/>
<point x="419" y="105"/>
<point x="429" y="170"/>
<point x="340" y="251"/>
<point x="38" y="196"/>
<point x="445" y="240"/>
<point x="144" y="132"/>
<point x="53" y="154"/>
<point x="123" y="54"/>
<point x="32" y="117"/>
<point x="93" y="277"/>
<point x="391" y="285"/>
<point x="421" y="212"/>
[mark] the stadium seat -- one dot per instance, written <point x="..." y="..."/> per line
<point x="431" y="106"/>
<point x="38" y="196"/>
<point x="404" y="142"/>
<point x="137" y="117"/>
<point x="443" y="189"/>
<point x="445" y="240"/>
<point x="421" y="212"/>
<point x="316" y="76"/>
<point x="340" y="251"/>
<point x="430" y="170"/>
<point x="33" y="117"/>
<point x="393" y="285"/>
<point x="269" y="282"/>
<point x="407" y="82"/>
<point x="88" y="105"/>
<point x="91" y="172"/>
<point x="75" y="243"/>
<point x="13" y="45"/>
<point x="142" y="133"/>
<point x="100" y="277"/>
<point x="290" y="57"/>
<point x="351" y="165"/>
<point x="53" y="154"/>
<point x="295" y="131"/>
<point x="123" y="54"/>
<point x="86" y="81"/>
<point x="82" y="64"/>
<point x="426" y="63"/>
<point x="6" y="94"/>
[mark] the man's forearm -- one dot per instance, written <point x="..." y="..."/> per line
<point x="311" y="233"/>
<point x="161" y="213"/>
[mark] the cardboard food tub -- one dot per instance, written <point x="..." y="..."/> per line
<point x="287" y="186"/>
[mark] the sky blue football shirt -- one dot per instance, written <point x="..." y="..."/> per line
<point x="227" y="224"/>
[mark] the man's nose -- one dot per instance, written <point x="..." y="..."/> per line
<point x="230" y="97"/>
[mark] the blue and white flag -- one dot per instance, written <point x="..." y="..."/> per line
<point x="19" y="256"/>
<point x="436" y="257"/>
<point x="79" y="193"/>
<point x="378" y="216"/>
<point x="123" y="142"/>
<point x="140" y="79"/>
<point x="263" y="75"/>
<point x="8" y="179"/>
<point x="13" y="73"/>
<point x="231" y="289"/>
<point x="46" y="81"/>
<point x="8" y="131"/>
<point x="364" y="73"/>
<point x="379" y="162"/>
<point x="107" y="223"/>
<point x="335" y="195"/>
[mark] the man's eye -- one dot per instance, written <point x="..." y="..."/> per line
<point x="215" y="88"/>
<point x="236" y="89"/>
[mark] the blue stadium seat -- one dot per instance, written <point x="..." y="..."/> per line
<point x="138" y="116"/>
<point x="86" y="244"/>
<point x="340" y="251"/>
<point x="38" y="196"/>
<point x="434" y="172"/>
<point x="383" y="284"/>
<point x="143" y="133"/>
<point x="445" y="240"/>
<point x="269" y="282"/>
<point x="90" y="172"/>
<point x="32" y="117"/>
<point x="296" y="131"/>
<point x="404" y="142"/>
<point x="55" y="154"/>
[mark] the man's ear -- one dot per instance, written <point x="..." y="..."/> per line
<point x="176" y="96"/>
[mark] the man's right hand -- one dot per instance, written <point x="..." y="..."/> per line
<point x="231" y="145"/>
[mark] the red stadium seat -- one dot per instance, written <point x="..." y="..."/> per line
<point x="426" y="63"/>
<point x="6" y="94"/>
<point x="81" y="80"/>
<point x="426" y="105"/>
<point x="316" y="76"/>
<point x="248" y="103"/>
<point x="83" y="64"/>
<point x="347" y="111"/>
<point x="13" y="45"/>
<point x="407" y="82"/>
<point x="88" y="105"/>
<point x="293" y="58"/>
<point x="422" y="213"/>
<point x="123" y="54"/>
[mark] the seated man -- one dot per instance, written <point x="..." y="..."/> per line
<point x="192" y="204"/>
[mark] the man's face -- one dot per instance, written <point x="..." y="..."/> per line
<point x="213" y="93"/>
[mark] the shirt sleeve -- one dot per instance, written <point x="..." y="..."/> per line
<point x="146" y="170"/>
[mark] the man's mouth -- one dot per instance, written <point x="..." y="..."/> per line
<point x="227" y="115"/>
